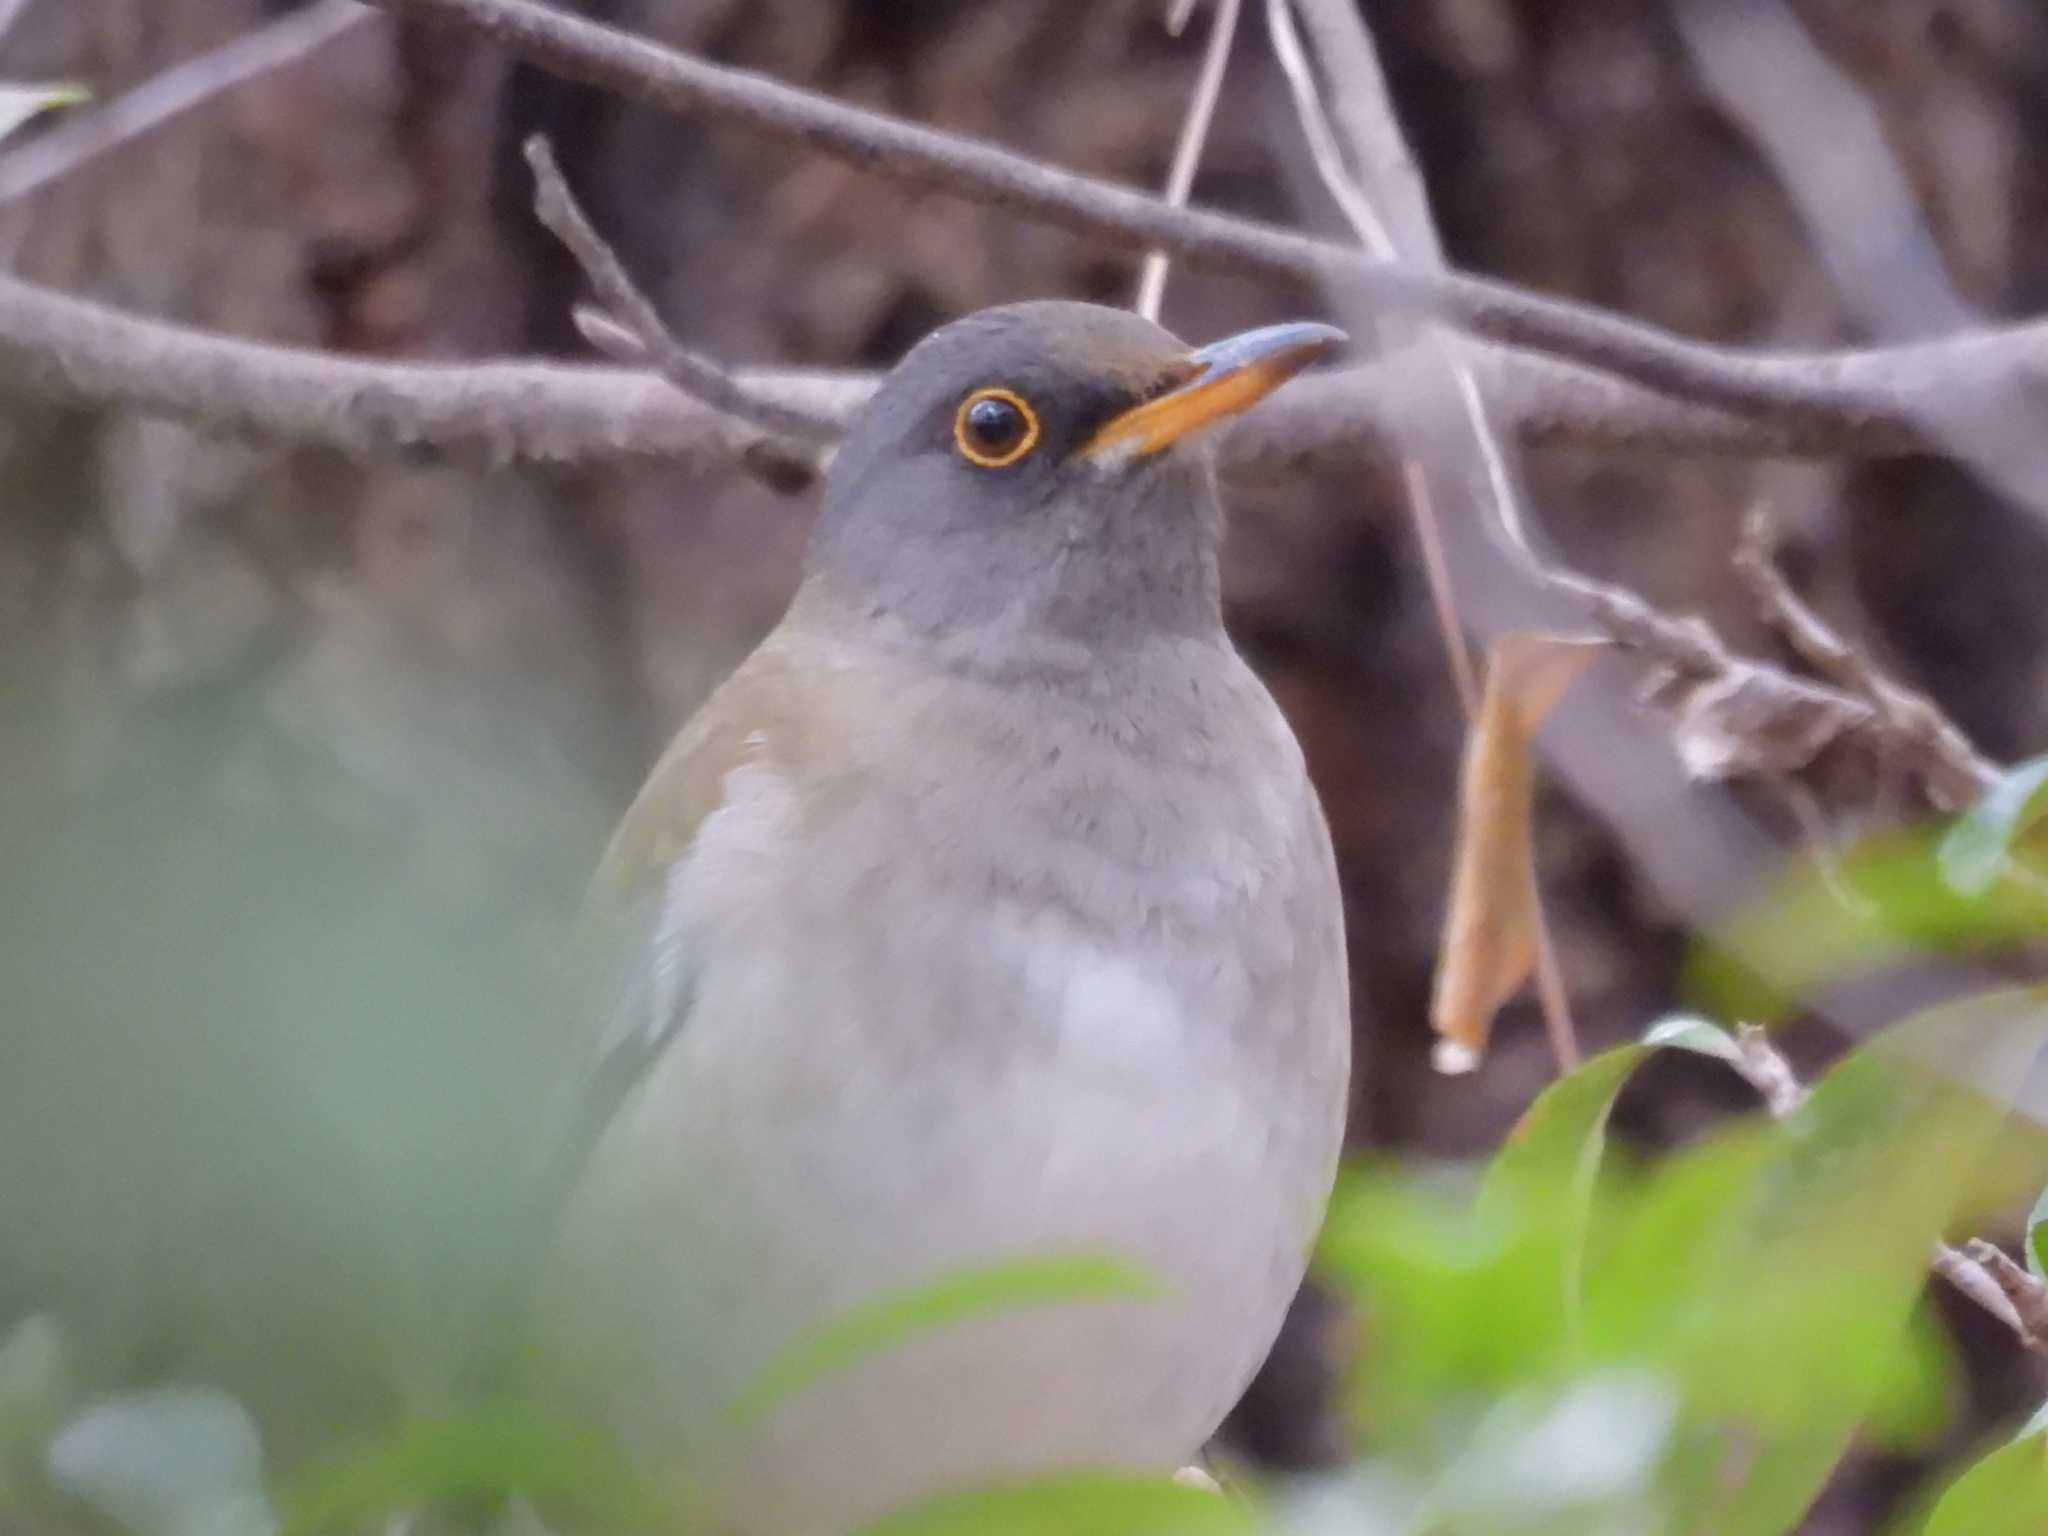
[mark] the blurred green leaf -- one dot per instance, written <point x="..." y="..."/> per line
<point x="1880" y="903"/>
<point x="1561" y="1136"/>
<point x="35" y="1380"/>
<point x="1799" y="1325"/>
<point x="175" y="1462"/>
<point x="1535" y="1457"/>
<point x="1093" y="1504"/>
<point x="1454" y="1309"/>
<point x="1769" y="1277"/>
<point x="2003" y="1494"/>
<point x="1557" y="1145"/>
<point x="888" y="1320"/>
<point x="501" y="1449"/>
<point x="1978" y="843"/>
<point x="20" y="103"/>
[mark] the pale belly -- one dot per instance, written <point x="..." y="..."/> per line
<point x="938" y="1021"/>
<point x="1101" y="1121"/>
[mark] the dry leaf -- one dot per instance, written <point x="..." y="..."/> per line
<point x="1489" y="943"/>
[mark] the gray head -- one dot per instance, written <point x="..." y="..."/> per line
<point x="1034" y="474"/>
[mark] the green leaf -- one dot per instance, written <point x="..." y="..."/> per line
<point x="1881" y="903"/>
<point x="173" y="1462"/>
<point x="1460" y="1308"/>
<point x="877" y="1325"/>
<point x="20" y="103"/>
<point x="2003" y="1494"/>
<point x="1798" y="1322"/>
<point x="35" y="1385"/>
<point x="1557" y="1145"/>
<point x="498" y="1449"/>
<point x="1561" y="1136"/>
<point x="1091" y="1504"/>
<point x="1975" y="847"/>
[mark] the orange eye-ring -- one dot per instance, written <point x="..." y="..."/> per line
<point x="994" y="428"/>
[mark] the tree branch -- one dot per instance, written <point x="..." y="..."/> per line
<point x="502" y="410"/>
<point x="1194" y="133"/>
<point x="1796" y="392"/>
<point x="691" y="372"/>
<point x="1929" y="745"/>
<point x="177" y="90"/>
<point x="1447" y="426"/>
<point x="80" y="353"/>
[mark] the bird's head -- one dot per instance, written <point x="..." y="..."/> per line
<point x="1033" y="479"/>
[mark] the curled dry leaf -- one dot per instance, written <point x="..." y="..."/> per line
<point x="1489" y="942"/>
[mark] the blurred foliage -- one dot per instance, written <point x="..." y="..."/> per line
<point x="305" y="1155"/>
<point x="1885" y="902"/>
<point x="870" y="1329"/>
<point x="1976" y="850"/>
<point x="1729" y="1317"/>
<point x="2004" y="1494"/>
<point x="504" y="1449"/>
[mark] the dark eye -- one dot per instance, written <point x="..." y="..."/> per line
<point x="995" y="428"/>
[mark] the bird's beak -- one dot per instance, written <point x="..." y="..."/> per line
<point x="1226" y="377"/>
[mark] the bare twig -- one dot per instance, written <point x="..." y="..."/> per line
<point x="1766" y="1070"/>
<point x="696" y="375"/>
<point x="1929" y="745"/>
<point x="1194" y="133"/>
<point x="2029" y="1297"/>
<point x="1447" y="421"/>
<point x="1822" y="135"/>
<point x="1376" y="238"/>
<point x="177" y="90"/>
<point x="1863" y="402"/>
<point x="10" y="13"/>
<point x="1979" y="1270"/>
<point x="1793" y="391"/>
<point x="82" y="353"/>
<point x="1977" y="1284"/>
<point x="76" y="352"/>
<point x="1733" y="717"/>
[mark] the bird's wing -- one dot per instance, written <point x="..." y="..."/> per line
<point x="636" y="965"/>
<point x="631" y="983"/>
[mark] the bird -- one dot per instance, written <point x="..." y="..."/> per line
<point x="985" y="914"/>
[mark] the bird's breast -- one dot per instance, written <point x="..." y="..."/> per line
<point x="1003" y="978"/>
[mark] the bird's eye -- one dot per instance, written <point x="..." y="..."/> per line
<point x="994" y="428"/>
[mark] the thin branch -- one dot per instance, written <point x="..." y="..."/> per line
<point x="10" y="13"/>
<point x="1194" y="133"/>
<point x="1794" y="391"/>
<point x="1927" y="743"/>
<point x="2027" y="1295"/>
<point x="1976" y="1283"/>
<point x="1447" y="421"/>
<point x="1374" y="235"/>
<point x="88" y="135"/>
<point x="1733" y="718"/>
<point x="76" y="352"/>
<point x="1764" y="1067"/>
<point x="1822" y="135"/>
<point x="696" y="375"/>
